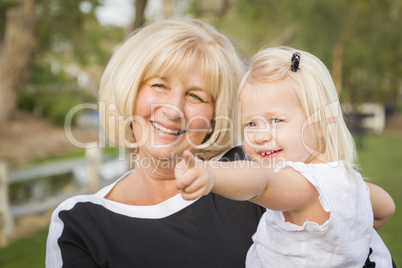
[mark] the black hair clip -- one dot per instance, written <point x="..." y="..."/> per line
<point x="295" y="61"/>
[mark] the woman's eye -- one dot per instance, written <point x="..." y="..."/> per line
<point x="159" y="86"/>
<point x="195" y="97"/>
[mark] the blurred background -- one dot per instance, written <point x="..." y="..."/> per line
<point x="53" y="53"/>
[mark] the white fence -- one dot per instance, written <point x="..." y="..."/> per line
<point x="9" y="212"/>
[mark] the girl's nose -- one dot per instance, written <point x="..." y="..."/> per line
<point x="262" y="136"/>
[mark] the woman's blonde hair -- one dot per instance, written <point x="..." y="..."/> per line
<point x="170" y="47"/>
<point x="316" y="92"/>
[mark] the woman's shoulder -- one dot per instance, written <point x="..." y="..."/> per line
<point x="233" y="154"/>
<point x="71" y="202"/>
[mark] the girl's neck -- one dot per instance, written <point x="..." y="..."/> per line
<point x="320" y="158"/>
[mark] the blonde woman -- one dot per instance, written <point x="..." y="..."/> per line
<point x="172" y="86"/>
<point x="319" y="212"/>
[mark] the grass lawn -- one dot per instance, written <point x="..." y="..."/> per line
<point x="380" y="160"/>
<point x="26" y="252"/>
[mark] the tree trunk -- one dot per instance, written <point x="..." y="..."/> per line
<point x="167" y="9"/>
<point x="223" y="10"/>
<point x="337" y="64"/>
<point x="16" y="54"/>
<point x="139" y="20"/>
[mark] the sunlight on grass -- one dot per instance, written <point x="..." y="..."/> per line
<point x="380" y="161"/>
<point x="26" y="252"/>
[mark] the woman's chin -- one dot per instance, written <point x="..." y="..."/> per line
<point x="166" y="154"/>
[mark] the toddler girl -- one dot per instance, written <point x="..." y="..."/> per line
<point x="319" y="212"/>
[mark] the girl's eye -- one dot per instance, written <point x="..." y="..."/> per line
<point x="195" y="97"/>
<point x="276" y="120"/>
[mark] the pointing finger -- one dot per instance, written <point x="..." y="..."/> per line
<point x="189" y="159"/>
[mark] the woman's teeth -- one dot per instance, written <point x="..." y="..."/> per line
<point x="167" y="130"/>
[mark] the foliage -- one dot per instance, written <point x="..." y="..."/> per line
<point x="65" y="30"/>
<point x="40" y="188"/>
<point x="52" y="95"/>
<point x="67" y="36"/>
<point x="54" y="102"/>
<point x="360" y="39"/>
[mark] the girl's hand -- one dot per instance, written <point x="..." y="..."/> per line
<point x="193" y="177"/>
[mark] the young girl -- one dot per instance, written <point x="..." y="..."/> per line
<point x="319" y="212"/>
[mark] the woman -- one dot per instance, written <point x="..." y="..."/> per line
<point x="171" y="87"/>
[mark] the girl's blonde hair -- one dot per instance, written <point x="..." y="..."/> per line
<point x="171" y="47"/>
<point x="316" y="92"/>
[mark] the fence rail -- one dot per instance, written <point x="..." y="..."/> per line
<point x="45" y="170"/>
<point x="9" y="212"/>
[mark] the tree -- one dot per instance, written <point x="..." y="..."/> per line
<point x="37" y="35"/>
<point x="139" y="19"/>
<point x="359" y="41"/>
<point x="16" y="52"/>
<point x="215" y="10"/>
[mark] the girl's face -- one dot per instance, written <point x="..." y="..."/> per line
<point x="172" y="114"/>
<point x="275" y="126"/>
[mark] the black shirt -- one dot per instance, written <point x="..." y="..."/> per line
<point x="91" y="231"/>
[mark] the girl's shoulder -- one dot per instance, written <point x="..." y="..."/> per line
<point x="335" y="166"/>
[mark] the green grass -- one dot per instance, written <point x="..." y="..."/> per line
<point x="380" y="160"/>
<point x="26" y="252"/>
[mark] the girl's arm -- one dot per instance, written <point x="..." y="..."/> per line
<point x="383" y="205"/>
<point x="286" y="190"/>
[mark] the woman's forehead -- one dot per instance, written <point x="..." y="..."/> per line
<point x="167" y="70"/>
<point x="168" y="67"/>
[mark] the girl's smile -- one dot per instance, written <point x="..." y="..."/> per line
<point x="274" y="123"/>
<point x="269" y="153"/>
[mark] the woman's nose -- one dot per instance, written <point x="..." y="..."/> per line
<point x="173" y="108"/>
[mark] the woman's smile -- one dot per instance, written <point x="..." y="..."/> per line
<point x="178" y="110"/>
<point x="167" y="130"/>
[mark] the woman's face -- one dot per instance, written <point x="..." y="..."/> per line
<point x="172" y="114"/>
